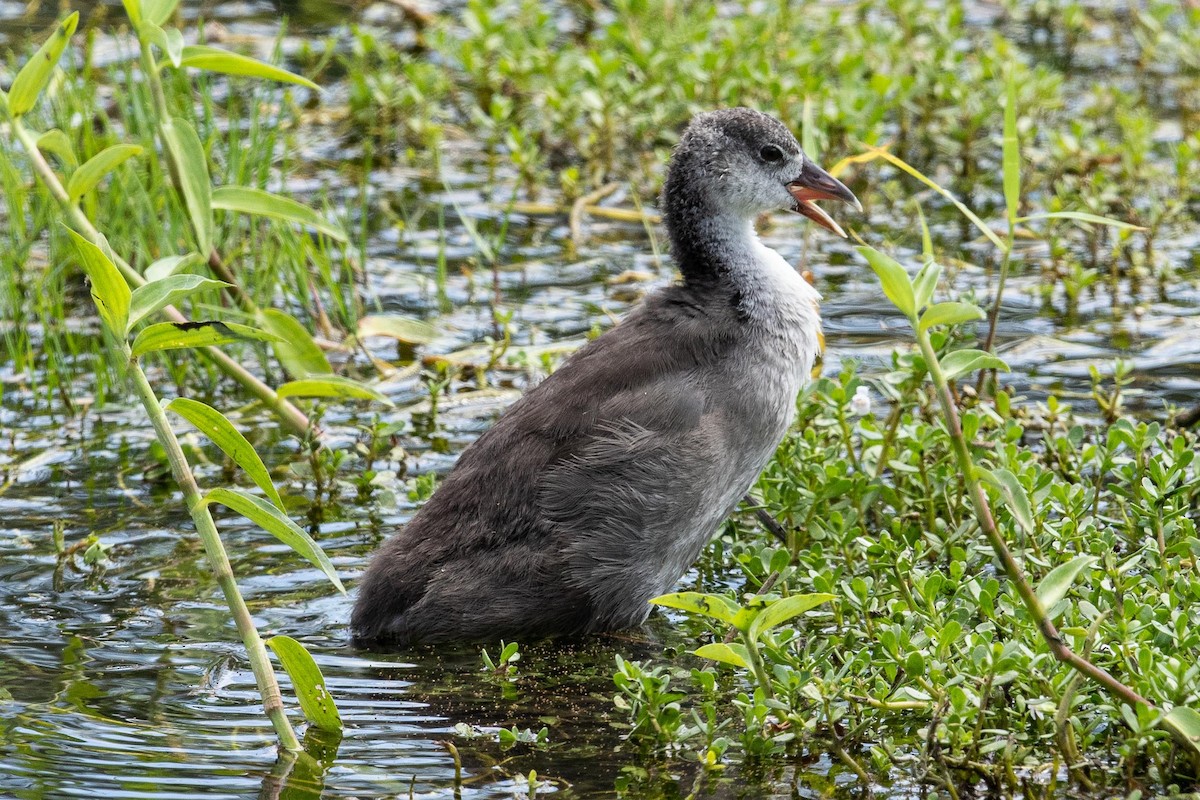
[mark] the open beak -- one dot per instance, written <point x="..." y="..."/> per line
<point x="813" y="184"/>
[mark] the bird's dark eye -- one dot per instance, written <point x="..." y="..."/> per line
<point x="770" y="153"/>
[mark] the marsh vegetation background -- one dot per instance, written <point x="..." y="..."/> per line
<point x="494" y="168"/>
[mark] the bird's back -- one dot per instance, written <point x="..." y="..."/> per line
<point x="555" y="520"/>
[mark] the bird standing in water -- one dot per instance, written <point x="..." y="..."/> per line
<point x="598" y="489"/>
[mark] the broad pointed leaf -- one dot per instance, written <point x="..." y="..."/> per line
<point x="403" y="329"/>
<point x="714" y="606"/>
<point x="925" y="283"/>
<point x="154" y="295"/>
<point x="58" y="143"/>
<point x="296" y="350"/>
<point x="1057" y="583"/>
<point x="279" y="525"/>
<point x="34" y="76"/>
<point x="896" y="284"/>
<point x="109" y="289"/>
<point x="961" y="362"/>
<point x="734" y="655"/>
<point x="191" y="167"/>
<point x="247" y="200"/>
<point x="331" y="386"/>
<point x="157" y="12"/>
<point x="217" y="427"/>
<point x="1015" y="498"/>
<point x="176" y="335"/>
<point x="1185" y="722"/>
<point x="169" y="40"/>
<point x="214" y="59"/>
<point x="785" y="609"/>
<point x="88" y="176"/>
<point x="169" y="265"/>
<point x="308" y="683"/>
<point x="950" y="314"/>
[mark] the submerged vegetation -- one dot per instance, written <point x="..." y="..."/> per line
<point x="896" y="613"/>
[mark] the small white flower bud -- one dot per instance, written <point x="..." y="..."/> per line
<point x="860" y="404"/>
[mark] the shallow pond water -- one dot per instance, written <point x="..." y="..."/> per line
<point x="126" y="681"/>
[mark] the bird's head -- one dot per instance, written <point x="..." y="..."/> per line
<point x="748" y="163"/>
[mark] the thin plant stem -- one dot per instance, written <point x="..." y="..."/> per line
<point x="260" y="664"/>
<point x="293" y="418"/>
<point x="994" y="313"/>
<point x="983" y="513"/>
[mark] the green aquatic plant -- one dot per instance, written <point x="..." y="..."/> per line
<point x="130" y="336"/>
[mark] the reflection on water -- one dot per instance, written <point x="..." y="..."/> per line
<point x="126" y="680"/>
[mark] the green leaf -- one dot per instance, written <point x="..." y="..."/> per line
<point x="1082" y="216"/>
<point x="34" y="76"/>
<point x="88" y="176"/>
<point x="168" y="266"/>
<point x="926" y="240"/>
<point x="214" y="59"/>
<point x="169" y="40"/>
<point x="1011" y="151"/>
<point x="156" y="294"/>
<point x="960" y="362"/>
<point x="735" y="655"/>
<point x="247" y="200"/>
<point x="276" y="523"/>
<point x="309" y="684"/>
<point x="296" y="350"/>
<point x="109" y="289"/>
<point x="403" y="329"/>
<point x="58" y="143"/>
<point x="1054" y="586"/>
<point x="714" y="606"/>
<point x="932" y="184"/>
<point x="156" y="12"/>
<point x="925" y="283"/>
<point x="950" y="314"/>
<point x="133" y="8"/>
<point x="175" y="335"/>
<point x="191" y="168"/>
<point x="785" y="609"/>
<point x="331" y="386"/>
<point x="217" y="427"/>
<point x="1185" y="722"/>
<point x="896" y="285"/>
<point x="1015" y="498"/>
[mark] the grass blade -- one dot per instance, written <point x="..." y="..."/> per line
<point x="1083" y="216"/>
<point x="1011" y="152"/>
<point x="966" y="212"/>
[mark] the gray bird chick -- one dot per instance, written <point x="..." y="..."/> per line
<point x="599" y="488"/>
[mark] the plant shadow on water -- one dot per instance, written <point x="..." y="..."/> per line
<point x="119" y="674"/>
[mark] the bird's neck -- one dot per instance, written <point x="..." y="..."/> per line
<point x="720" y="252"/>
<point x="710" y="246"/>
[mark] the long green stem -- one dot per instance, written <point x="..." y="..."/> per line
<point x="292" y="417"/>
<point x="983" y="513"/>
<point x="260" y="664"/>
<point x="994" y="313"/>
